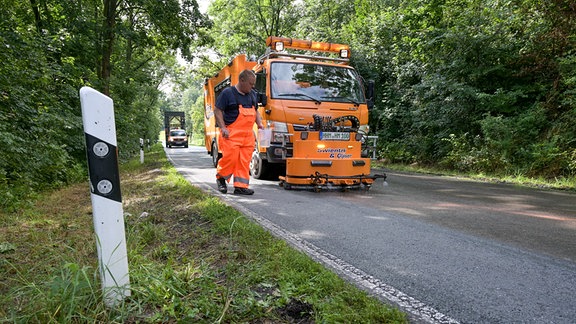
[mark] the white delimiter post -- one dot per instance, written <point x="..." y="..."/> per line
<point x="141" y="151"/>
<point x="108" y="215"/>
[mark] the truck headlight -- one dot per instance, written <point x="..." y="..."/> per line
<point x="278" y="131"/>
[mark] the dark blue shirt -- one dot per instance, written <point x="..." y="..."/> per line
<point x="228" y="102"/>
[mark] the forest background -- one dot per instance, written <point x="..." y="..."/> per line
<point x="486" y="86"/>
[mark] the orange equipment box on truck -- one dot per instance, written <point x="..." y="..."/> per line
<point x="315" y="112"/>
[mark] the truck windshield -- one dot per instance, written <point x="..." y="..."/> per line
<point x="317" y="82"/>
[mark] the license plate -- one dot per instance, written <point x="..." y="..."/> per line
<point x="334" y="136"/>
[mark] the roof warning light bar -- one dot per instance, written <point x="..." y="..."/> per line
<point x="280" y="43"/>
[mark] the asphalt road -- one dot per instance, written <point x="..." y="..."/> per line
<point x="442" y="249"/>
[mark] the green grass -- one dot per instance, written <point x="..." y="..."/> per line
<point x="191" y="258"/>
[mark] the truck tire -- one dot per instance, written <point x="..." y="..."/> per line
<point x="259" y="168"/>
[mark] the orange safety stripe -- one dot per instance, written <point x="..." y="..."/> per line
<point x="237" y="149"/>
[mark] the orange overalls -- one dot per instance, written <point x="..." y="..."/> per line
<point x="237" y="148"/>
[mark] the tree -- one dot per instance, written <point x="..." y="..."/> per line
<point x="242" y="26"/>
<point x="51" y="49"/>
<point x="454" y="74"/>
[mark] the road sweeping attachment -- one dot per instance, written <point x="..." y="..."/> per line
<point x="328" y="155"/>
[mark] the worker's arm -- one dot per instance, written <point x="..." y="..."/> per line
<point x="219" y="115"/>
<point x="259" y="120"/>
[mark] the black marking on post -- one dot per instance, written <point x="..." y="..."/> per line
<point x="103" y="168"/>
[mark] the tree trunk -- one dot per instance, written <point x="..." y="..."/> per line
<point x="37" y="18"/>
<point x="108" y="43"/>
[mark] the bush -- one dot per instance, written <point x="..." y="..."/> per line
<point x="395" y="152"/>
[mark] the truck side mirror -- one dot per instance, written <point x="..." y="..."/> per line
<point x="370" y="94"/>
<point x="260" y="88"/>
<point x="262" y="98"/>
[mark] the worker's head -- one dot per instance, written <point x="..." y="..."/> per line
<point x="246" y="81"/>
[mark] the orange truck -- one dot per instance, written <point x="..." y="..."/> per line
<point x="315" y="110"/>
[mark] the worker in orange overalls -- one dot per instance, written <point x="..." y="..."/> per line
<point x="236" y="112"/>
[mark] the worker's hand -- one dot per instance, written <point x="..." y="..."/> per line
<point x="224" y="132"/>
<point x="260" y="125"/>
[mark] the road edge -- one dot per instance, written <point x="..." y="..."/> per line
<point x="417" y="311"/>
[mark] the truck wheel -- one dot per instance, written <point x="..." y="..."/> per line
<point x="259" y="168"/>
<point x="215" y="154"/>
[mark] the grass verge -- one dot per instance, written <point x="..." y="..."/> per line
<point x="191" y="258"/>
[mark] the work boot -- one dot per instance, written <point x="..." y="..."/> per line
<point x="243" y="191"/>
<point x="221" y="182"/>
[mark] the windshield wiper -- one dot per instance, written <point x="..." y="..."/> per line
<point x="345" y="99"/>
<point x="299" y="95"/>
